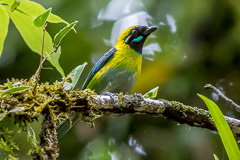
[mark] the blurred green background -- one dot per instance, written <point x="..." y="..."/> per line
<point x="198" y="42"/>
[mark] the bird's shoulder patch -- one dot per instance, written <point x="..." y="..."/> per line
<point x="100" y="63"/>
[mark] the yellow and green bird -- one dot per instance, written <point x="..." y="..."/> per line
<point x="117" y="70"/>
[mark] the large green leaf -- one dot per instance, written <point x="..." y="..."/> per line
<point x="23" y="18"/>
<point x="32" y="35"/>
<point x="4" y="18"/>
<point x="223" y="128"/>
<point x="10" y="2"/>
<point x="34" y="9"/>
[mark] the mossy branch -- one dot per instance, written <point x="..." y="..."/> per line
<point x="55" y="104"/>
<point x="135" y="104"/>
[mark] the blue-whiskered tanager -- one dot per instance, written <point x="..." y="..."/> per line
<point x="117" y="70"/>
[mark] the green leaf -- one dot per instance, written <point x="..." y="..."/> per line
<point x="23" y="18"/>
<point x="32" y="35"/>
<point x="42" y="18"/>
<point x="59" y="36"/>
<point x="74" y="77"/>
<point x="15" y="5"/>
<point x="223" y="128"/>
<point x="13" y="90"/>
<point x="4" y="17"/>
<point x="57" y="55"/>
<point x="9" y="2"/>
<point x="215" y="157"/>
<point x="9" y="84"/>
<point x="152" y="93"/>
<point x="33" y="9"/>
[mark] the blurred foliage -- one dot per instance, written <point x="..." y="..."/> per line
<point x="197" y="43"/>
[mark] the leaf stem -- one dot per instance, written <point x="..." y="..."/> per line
<point x="41" y="59"/>
<point x="36" y="76"/>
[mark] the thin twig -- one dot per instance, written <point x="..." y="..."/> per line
<point x="41" y="59"/>
<point x="36" y="76"/>
<point x="46" y="57"/>
<point x="49" y="54"/>
<point x="220" y="94"/>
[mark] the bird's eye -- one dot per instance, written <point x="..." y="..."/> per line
<point x="134" y="33"/>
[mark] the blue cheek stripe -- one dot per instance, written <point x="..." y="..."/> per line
<point x="138" y="39"/>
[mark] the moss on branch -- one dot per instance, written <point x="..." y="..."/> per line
<point x="54" y="103"/>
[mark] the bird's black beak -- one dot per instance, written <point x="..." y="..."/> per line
<point x="149" y="30"/>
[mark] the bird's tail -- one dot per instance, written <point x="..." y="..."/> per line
<point x="66" y="125"/>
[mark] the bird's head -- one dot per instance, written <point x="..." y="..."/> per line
<point x="135" y="36"/>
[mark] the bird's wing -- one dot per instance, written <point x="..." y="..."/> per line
<point x="100" y="63"/>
